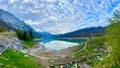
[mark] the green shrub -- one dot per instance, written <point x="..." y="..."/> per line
<point x="2" y="28"/>
<point x="113" y="40"/>
<point x="28" y="44"/>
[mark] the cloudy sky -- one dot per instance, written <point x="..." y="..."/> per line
<point x="61" y="16"/>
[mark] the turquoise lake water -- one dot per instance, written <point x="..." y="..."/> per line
<point x="61" y="44"/>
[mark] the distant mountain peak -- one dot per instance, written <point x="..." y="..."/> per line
<point x="8" y="19"/>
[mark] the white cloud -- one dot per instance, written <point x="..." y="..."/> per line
<point x="30" y="22"/>
<point x="117" y="8"/>
<point x="38" y="30"/>
<point x="61" y="16"/>
<point x="12" y="1"/>
<point x="27" y="1"/>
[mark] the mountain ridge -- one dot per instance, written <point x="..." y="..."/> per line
<point x="11" y="21"/>
<point x="86" y="32"/>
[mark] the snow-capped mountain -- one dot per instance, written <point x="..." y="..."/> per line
<point x="9" y="20"/>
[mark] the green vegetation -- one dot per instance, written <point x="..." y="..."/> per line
<point x="113" y="41"/>
<point x="103" y="51"/>
<point x="25" y="35"/>
<point x="15" y="59"/>
<point x="97" y="35"/>
<point x="52" y="66"/>
<point x="90" y="53"/>
<point x="2" y="29"/>
<point x="28" y="44"/>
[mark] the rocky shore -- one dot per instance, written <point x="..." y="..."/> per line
<point x="48" y="57"/>
<point x="9" y="42"/>
<point x="40" y="50"/>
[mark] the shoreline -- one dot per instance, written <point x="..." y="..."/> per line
<point x="40" y="49"/>
<point x="48" y="57"/>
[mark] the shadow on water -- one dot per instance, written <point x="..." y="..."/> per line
<point x="74" y="40"/>
<point x="46" y="40"/>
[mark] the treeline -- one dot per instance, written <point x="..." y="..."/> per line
<point x="25" y="35"/>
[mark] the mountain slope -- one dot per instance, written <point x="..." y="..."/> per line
<point x="85" y="32"/>
<point x="9" y="20"/>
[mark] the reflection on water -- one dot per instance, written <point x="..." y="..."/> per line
<point x="58" y="45"/>
<point x="61" y="44"/>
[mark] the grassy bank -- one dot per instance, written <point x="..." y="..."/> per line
<point x="91" y="51"/>
<point x="15" y="59"/>
<point x="28" y="44"/>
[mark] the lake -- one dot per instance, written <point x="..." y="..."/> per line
<point x="61" y="43"/>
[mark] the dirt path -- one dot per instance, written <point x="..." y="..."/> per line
<point x="42" y="60"/>
<point x="79" y="50"/>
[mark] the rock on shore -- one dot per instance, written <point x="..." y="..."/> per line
<point x="10" y="42"/>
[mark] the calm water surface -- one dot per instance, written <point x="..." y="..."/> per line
<point x="61" y="44"/>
